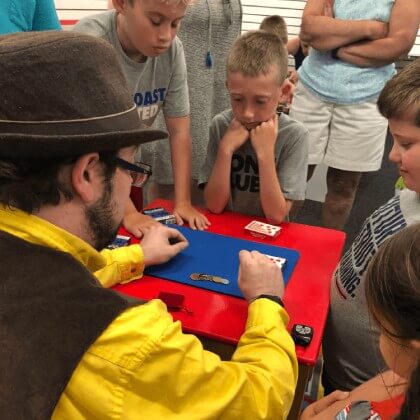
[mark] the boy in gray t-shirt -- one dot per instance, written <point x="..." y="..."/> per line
<point x="256" y="161"/>
<point x="143" y="34"/>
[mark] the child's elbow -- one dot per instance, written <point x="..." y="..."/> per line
<point x="213" y="208"/>
<point x="276" y="219"/>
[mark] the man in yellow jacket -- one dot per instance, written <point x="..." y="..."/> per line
<point x="70" y="348"/>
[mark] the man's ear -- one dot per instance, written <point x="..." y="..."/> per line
<point x="286" y="91"/>
<point x="416" y="345"/>
<point x="86" y="177"/>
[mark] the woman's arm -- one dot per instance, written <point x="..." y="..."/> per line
<point x="293" y="45"/>
<point x="324" y="32"/>
<point x="403" y="27"/>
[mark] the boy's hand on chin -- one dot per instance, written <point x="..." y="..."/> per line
<point x="264" y="136"/>
<point x="235" y="136"/>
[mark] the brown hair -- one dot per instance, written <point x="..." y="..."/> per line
<point x="29" y="184"/>
<point x="401" y="95"/>
<point x="276" y="25"/>
<point x="393" y="294"/>
<point x="254" y="52"/>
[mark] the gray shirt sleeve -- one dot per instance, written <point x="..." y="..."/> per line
<point x="292" y="165"/>
<point x="177" y="103"/>
<point x="217" y="129"/>
<point x="94" y="25"/>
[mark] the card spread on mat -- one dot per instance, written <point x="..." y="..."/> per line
<point x="213" y="262"/>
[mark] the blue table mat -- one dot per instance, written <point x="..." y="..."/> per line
<point x="217" y="255"/>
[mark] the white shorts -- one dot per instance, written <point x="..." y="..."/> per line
<point x="347" y="137"/>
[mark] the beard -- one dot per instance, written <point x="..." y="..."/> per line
<point x="101" y="219"/>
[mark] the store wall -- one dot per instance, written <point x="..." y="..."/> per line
<point x="69" y="11"/>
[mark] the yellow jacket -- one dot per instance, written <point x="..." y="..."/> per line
<point x="144" y="367"/>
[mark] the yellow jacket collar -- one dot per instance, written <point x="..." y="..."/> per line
<point x="38" y="231"/>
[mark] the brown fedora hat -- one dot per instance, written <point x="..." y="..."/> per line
<point x="64" y="94"/>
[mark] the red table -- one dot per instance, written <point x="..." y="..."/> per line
<point x="222" y="318"/>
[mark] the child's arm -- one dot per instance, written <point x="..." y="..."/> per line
<point x="403" y="26"/>
<point x="273" y="202"/>
<point x="217" y="189"/>
<point x="380" y="388"/>
<point x="135" y="222"/>
<point x="293" y="45"/>
<point x="324" y="32"/>
<point x="180" y="142"/>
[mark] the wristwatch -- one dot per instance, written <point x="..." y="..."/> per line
<point x="273" y="298"/>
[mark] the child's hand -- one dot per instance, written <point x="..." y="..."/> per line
<point x="195" y="219"/>
<point x="316" y="408"/>
<point x="292" y="76"/>
<point x="138" y="223"/>
<point x="235" y="136"/>
<point x="264" y="137"/>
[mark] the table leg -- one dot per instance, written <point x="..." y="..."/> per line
<point x="305" y="373"/>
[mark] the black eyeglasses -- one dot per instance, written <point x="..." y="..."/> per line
<point x="140" y="172"/>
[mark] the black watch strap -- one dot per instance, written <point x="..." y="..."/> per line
<point x="273" y="298"/>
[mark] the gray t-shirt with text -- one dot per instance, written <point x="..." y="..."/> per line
<point x="351" y="338"/>
<point x="157" y="83"/>
<point x="291" y="158"/>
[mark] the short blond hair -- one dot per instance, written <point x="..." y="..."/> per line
<point x="401" y="94"/>
<point x="255" y="52"/>
<point x="276" y="25"/>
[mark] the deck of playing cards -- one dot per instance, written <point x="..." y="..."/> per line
<point x="262" y="230"/>
<point x="119" y="241"/>
<point x="160" y="215"/>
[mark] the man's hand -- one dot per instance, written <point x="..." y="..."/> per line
<point x="138" y="223"/>
<point x="264" y="137"/>
<point x="156" y="246"/>
<point x="195" y="219"/>
<point x="258" y="275"/>
<point x="236" y="135"/>
<point x="319" y="406"/>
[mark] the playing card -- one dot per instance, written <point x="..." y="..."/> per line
<point x="280" y="262"/>
<point x="262" y="230"/>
